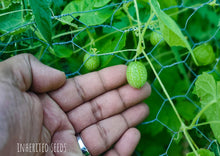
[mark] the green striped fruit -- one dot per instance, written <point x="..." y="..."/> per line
<point x="204" y="54"/>
<point x="91" y="62"/>
<point x="136" y="74"/>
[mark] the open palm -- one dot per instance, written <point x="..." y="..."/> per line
<point x="38" y="105"/>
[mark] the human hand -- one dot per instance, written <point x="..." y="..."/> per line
<point x="38" y="105"/>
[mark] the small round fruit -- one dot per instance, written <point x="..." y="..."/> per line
<point x="155" y="38"/>
<point x="91" y="62"/>
<point x="204" y="54"/>
<point x="136" y="74"/>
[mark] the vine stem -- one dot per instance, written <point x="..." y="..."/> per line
<point x="188" y="138"/>
<point x="139" y="25"/>
<point x="200" y="113"/>
<point x="139" y="44"/>
<point x="163" y="88"/>
<point x="183" y="126"/>
<point x="139" y="50"/>
<point x="3" y="5"/>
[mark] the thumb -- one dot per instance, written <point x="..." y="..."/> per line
<point x="27" y="73"/>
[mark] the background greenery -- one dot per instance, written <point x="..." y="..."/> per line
<point x="60" y="32"/>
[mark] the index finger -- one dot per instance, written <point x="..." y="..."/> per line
<point x="83" y="88"/>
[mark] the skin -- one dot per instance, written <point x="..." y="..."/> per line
<point x="38" y="105"/>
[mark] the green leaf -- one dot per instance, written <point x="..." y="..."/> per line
<point x="83" y="8"/>
<point x="111" y="43"/>
<point x="58" y="3"/>
<point x="186" y="109"/>
<point x="169" y="29"/>
<point x="205" y="89"/>
<point x="62" y="51"/>
<point x="16" y="23"/>
<point x="167" y="4"/>
<point x="202" y="152"/>
<point x="194" y="3"/>
<point x="169" y="118"/>
<point x="101" y="3"/>
<point x="43" y="20"/>
<point x="96" y="17"/>
<point x="7" y="3"/>
<point x="209" y="93"/>
<point x="75" y="7"/>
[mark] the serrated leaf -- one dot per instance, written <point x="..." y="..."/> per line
<point x="168" y="27"/>
<point x="209" y="93"/>
<point x="41" y="11"/>
<point x="201" y="152"/>
<point x="205" y="88"/>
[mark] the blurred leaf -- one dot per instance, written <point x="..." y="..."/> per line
<point x="169" y="3"/>
<point x="83" y="9"/>
<point x="186" y="109"/>
<point x="76" y="7"/>
<point x="96" y="17"/>
<point x="169" y="75"/>
<point x="194" y="3"/>
<point x="202" y="152"/>
<point x="122" y="21"/>
<point x="110" y="60"/>
<point x="7" y="3"/>
<point x="16" y="24"/>
<point x="208" y="15"/>
<point x="101" y="3"/>
<point x="58" y="3"/>
<point x="62" y="51"/>
<point x="43" y="20"/>
<point x="168" y="117"/>
<point x="114" y="42"/>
